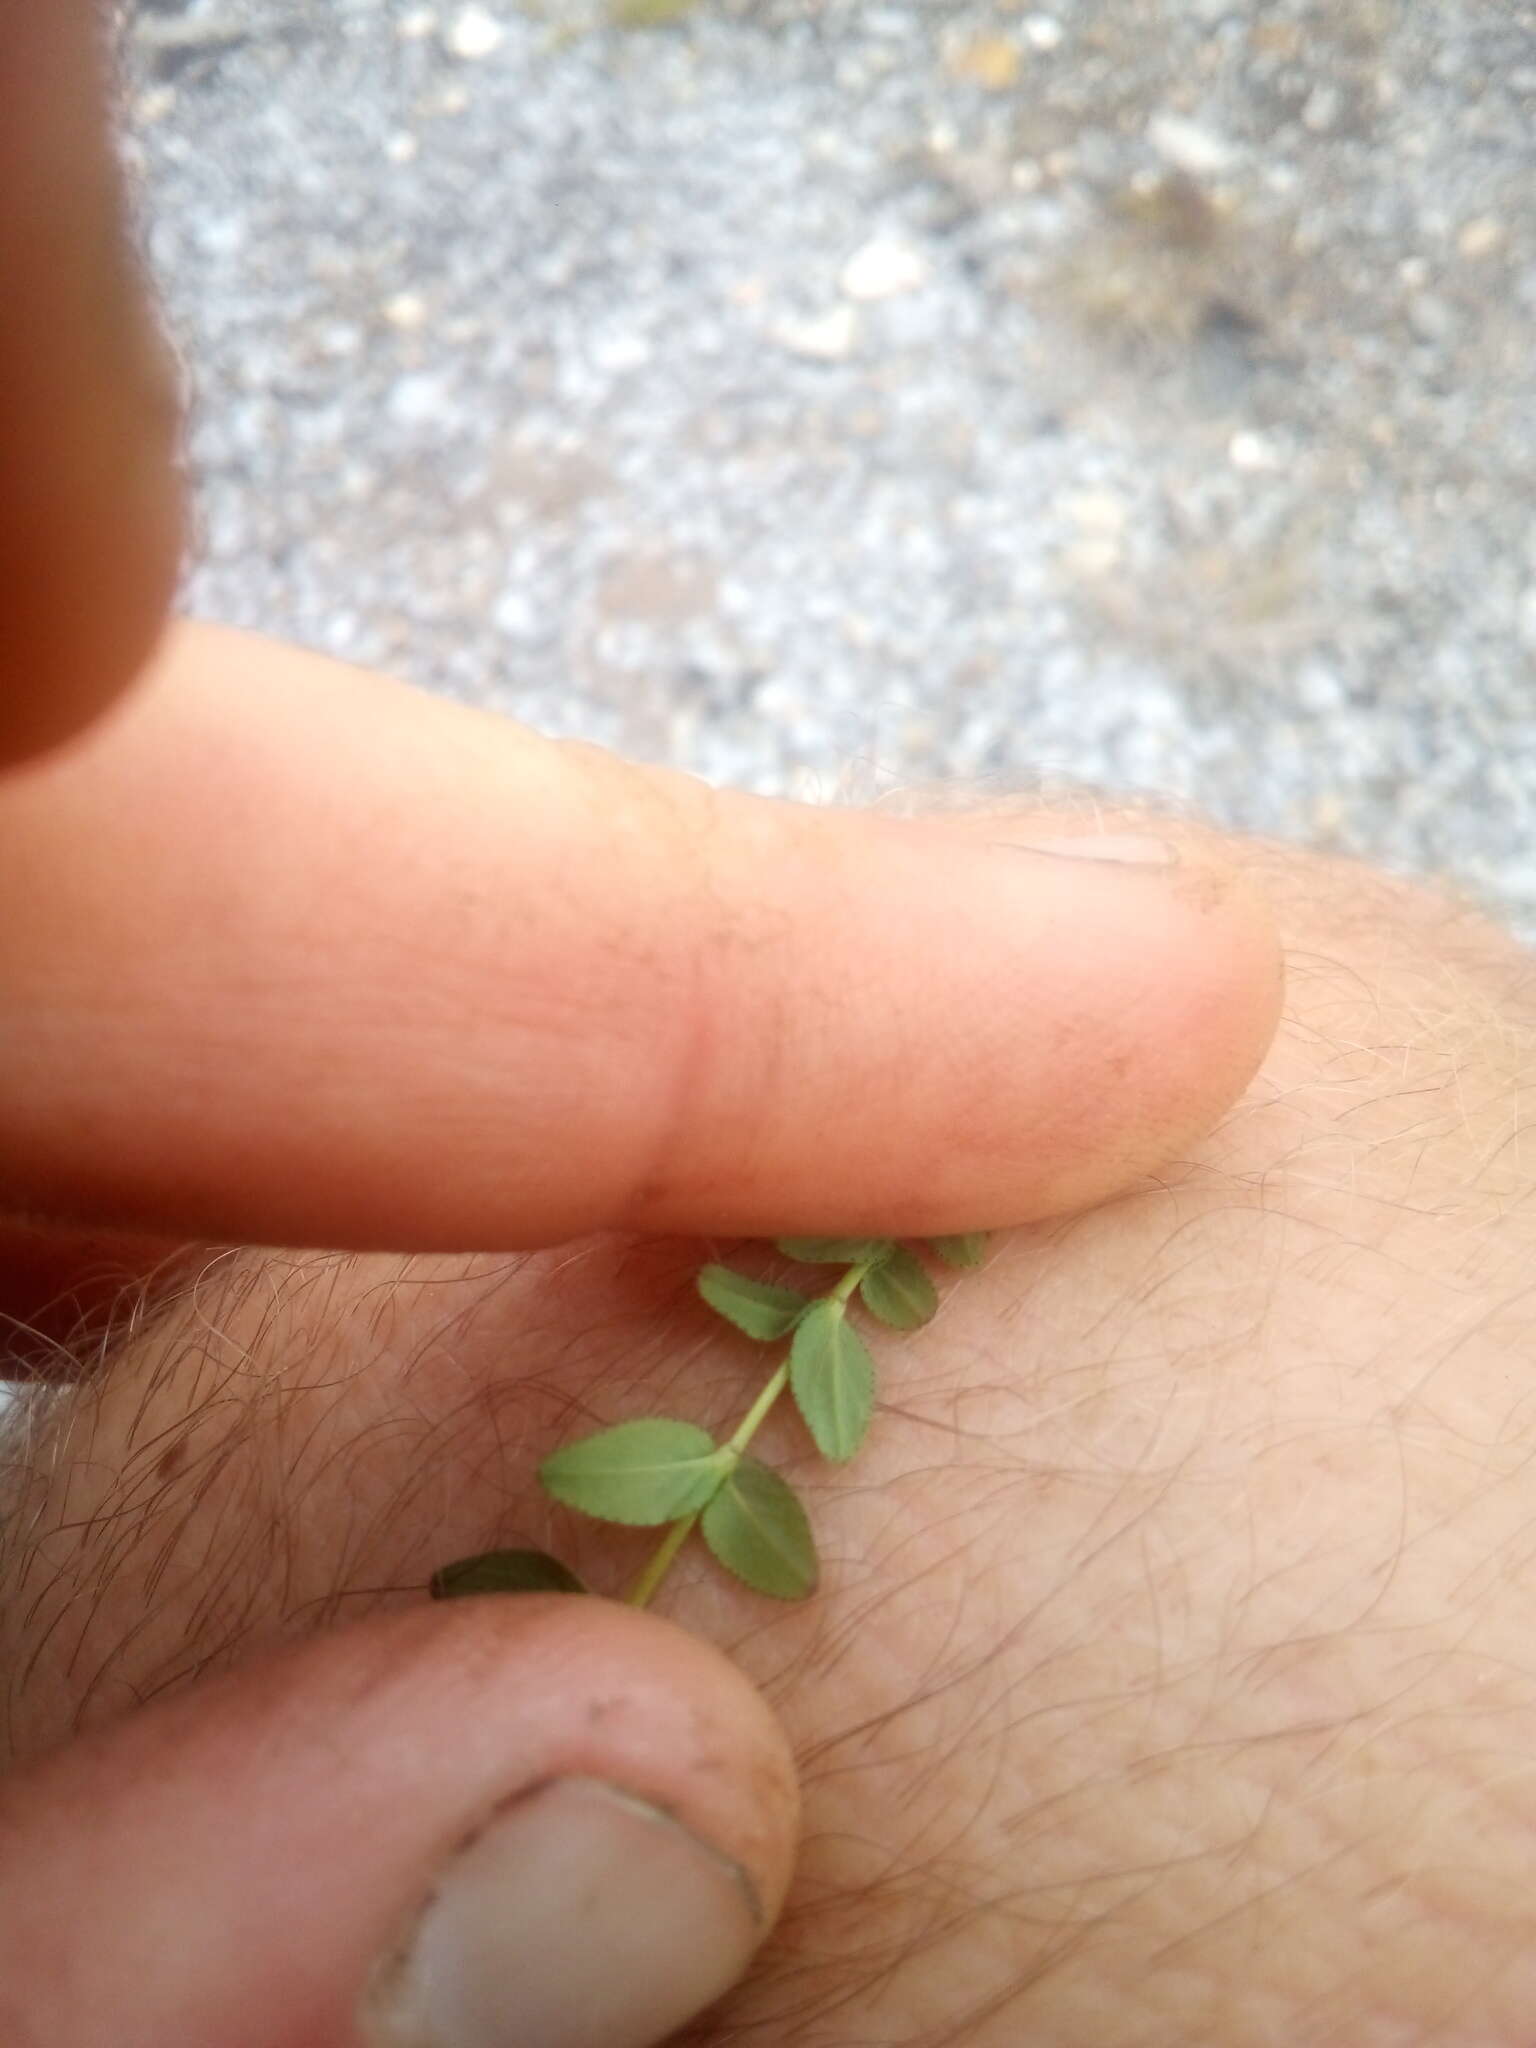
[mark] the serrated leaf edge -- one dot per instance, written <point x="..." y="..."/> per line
<point x="710" y="1275"/>
<point x="768" y="1592"/>
<point x="882" y="1277"/>
<point x="689" y="1503"/>
<point x="962" y="1252"/>
<point x="800" y="1370"/>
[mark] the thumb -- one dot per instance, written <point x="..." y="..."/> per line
<point x="539" y="1822"/>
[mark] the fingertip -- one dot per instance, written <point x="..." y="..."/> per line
<point x="981" y="1022"/>
<point x="1191" y="979"/>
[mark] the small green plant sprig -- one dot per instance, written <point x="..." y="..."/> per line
<point x="661" y="1474"/>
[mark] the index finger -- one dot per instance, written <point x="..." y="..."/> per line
<point x="289" y="953"/>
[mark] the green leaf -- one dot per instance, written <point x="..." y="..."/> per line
<point x="960" y="1251"/>
<point x="643" y="1473"/>
<point x="833" y="1379"/>
<point x="835" y="1251"/>
<point x="760" y="1311"/>
<point x="758" y="1530"/>
<point x="900" y="1292"/>
<point x="503" y="1571"/>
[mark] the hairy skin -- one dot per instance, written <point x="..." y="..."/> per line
<point x="1173" y="1678"/>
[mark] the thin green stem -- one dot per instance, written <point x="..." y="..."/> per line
<point x="850" y="1280"/>
<point x="659" y="1563"/>
<point x="661" y="1560"/>
<point x="757" y="1414"/>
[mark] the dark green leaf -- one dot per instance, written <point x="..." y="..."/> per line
<point x="900" y="1292"/>
<point x="643" y="1473"/>
<point x="960" y="1251"/>
<point x="833" y="1379"/>
<point x="760" y="1311"/>
<point x="835" y="1251"/>
<point x="758" y="1530"/>
<point x="503" y="1571"/>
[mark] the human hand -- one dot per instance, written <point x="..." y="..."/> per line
<point x="279" y="1032"/>
<point x="1171" y="1679"/>
<point x="289" y="953"/>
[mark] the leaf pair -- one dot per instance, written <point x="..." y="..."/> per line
<point x="894" y="1285"/>
<point x="831" y="1373"/>
<point x="653" y="1471"/>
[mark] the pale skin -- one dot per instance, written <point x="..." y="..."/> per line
<point x="1171" y="1677"/>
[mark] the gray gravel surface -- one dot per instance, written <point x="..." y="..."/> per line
<point x="826" y="396"/>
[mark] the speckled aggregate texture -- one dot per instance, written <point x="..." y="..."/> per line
<point x="827" y="396"/>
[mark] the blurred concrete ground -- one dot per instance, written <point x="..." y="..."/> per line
<point x="827" y="395"/>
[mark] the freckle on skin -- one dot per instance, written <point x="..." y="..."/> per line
<point x="170" y="1461"/>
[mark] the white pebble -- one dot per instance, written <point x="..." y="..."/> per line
<point x="418" y="399"/>
<point x="825" y="338"/>
<point x="416" y="24"/>
<point x="1431" y="317"/>
<point x="515" y="615"/>
<point x="1097" y="512"/>
<point x="884" y="269"/>
<point x="473" y="33"/>
<point x="1252" y="452"/>
<point x="153" y="105"/>
<point x="1043" y="32"/>
<point x="1318" y="688"/>
<point x="1480" y="237"/>
<point x="1324" y="105"/>
<point x="1200" y="152"/>
<point x="618" y="352"/>
<point x="1094" y="556"/>
<point x="405" y="310"/>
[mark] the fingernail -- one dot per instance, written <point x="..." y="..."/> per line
<point x="1126" y="848"/>
<point x="578" y="1918"/>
